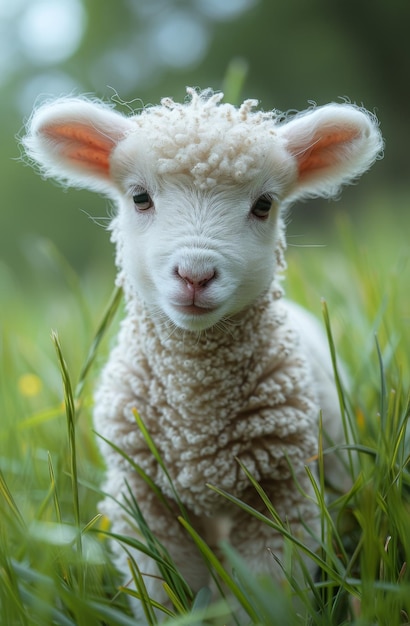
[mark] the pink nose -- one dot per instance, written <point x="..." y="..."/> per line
<point x="196" y="280"/>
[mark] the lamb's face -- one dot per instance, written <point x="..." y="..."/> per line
<point x="198" y="257"/>
<point x="199" y="213"/>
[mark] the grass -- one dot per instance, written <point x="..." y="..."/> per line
<point x="54" y="558"/>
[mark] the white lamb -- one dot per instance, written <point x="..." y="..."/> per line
<point x="216" y="363"/>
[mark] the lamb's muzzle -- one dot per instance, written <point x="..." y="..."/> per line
<point x="218" y="366"/>
<point x="193" y="288"/>
<point x="195" y="280"/>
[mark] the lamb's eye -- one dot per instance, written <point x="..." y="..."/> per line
<point x="262" y="206"/>
<point x="142" y="201"/>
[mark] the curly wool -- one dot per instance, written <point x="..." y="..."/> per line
<point x="213" y="142"/>
<point x="201" y="420"/>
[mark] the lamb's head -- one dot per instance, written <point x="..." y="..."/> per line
<point x="200" y="187"/>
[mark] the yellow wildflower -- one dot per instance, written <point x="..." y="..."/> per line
<point x="29" y="385"/>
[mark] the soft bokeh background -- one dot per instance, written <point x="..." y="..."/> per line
<point x="138" y="51"/>
<point x="57" y="271"/>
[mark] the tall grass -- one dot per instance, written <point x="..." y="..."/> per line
<point x="54" y="557"/>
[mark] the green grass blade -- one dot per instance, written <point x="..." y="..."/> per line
<point x="142" y="593"/>
<point x="214" y="562"/>
<point x="9" y="500"/>
<point x="149" y="545"/>
<point x="139" y="471"/>
<point x="328" y="521"/>
<point x="11" y="601"/>
<point x="216" y="613"/>
<point x="40" y="418"/>
<point x="71" y="421"/>
<point x="165" y="563"/>
<point x="108" y="316"/>
<point x="347" y="423"/>
<point x="202" y="600"/>
<point x="383" y="386"/>
<point x="91" y="524"/>
<point x="174" y="597"/>
<point x="136" y="544"/>
<point x="155" y="452"/>
<point x="56" y="500"/>
<point x="110" y="616"/>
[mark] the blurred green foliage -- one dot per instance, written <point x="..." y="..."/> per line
<point x="296" y="52"/>
<point x="56" y="264"/>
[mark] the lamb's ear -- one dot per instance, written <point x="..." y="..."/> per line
<point x="72" y="140"/>
<point x="332" y="145"/>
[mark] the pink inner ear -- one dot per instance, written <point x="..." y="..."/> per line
<point x="91" y="157"/>
<point x="324" y="151"/>
<point x="84" y="144"/>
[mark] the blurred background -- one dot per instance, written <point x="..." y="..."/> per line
<point x="56" y="261"/>
<point x="137" y="51"/>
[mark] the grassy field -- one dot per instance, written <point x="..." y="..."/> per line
<point x="54" y="559"/>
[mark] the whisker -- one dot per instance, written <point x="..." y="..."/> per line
<point x="102" y="221"/>
<point x="307" y="245"/>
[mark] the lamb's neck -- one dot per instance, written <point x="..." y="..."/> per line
<point x="233" y="334"/>
<point x="217" y="368"/>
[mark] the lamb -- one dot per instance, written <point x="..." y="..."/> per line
<point x="216" y="362"/>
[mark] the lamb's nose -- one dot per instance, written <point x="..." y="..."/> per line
<point x="196" y="280"/>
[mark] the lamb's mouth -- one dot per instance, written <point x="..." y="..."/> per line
<point x="194" y="309"/>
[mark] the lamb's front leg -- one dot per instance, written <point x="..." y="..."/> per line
<point x="163" y="523"/>
<point x="260" y="545"/>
